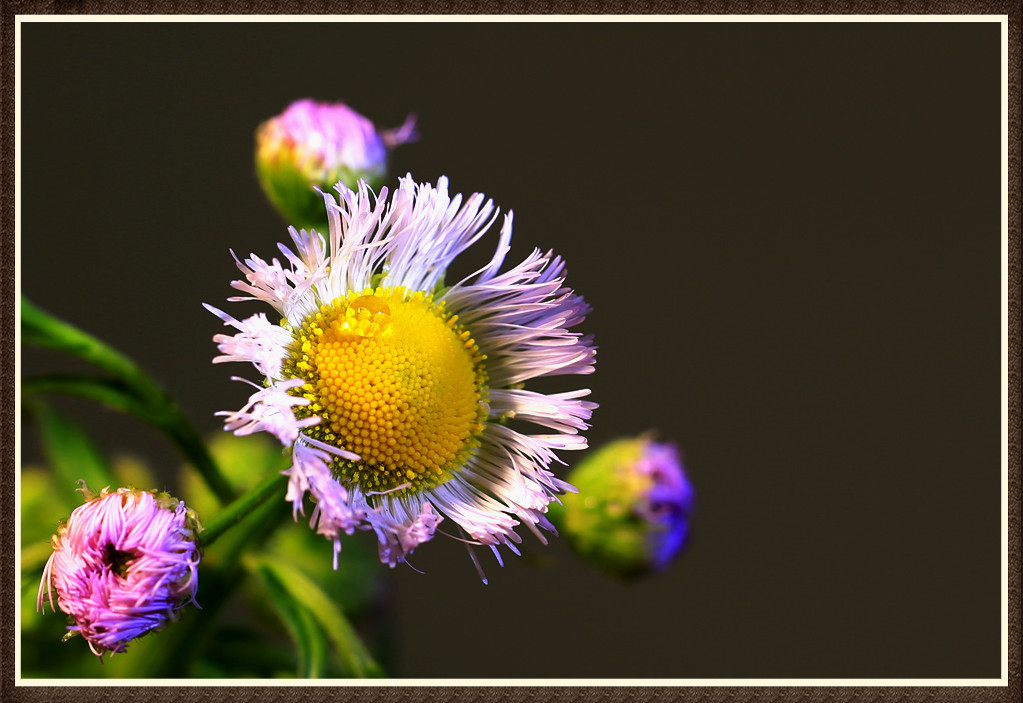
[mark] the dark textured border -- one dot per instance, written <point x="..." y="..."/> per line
<point x="8" y="692"/>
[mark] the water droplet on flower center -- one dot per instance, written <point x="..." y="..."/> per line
<point x="368" y="316"/>
<point x="397" y="380"/>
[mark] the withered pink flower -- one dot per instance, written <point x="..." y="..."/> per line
<point x="123" y="565"/>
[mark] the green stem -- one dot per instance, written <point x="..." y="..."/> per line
<point x="225" y="519"/>
<point x="192" y="446"/>
<point x="42" y="329"/>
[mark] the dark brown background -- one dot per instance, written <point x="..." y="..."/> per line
<point x="789" y="234"/>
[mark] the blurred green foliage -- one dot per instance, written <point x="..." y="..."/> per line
<point x="247" y="625"/>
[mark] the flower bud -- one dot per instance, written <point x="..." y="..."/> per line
<point x="313" y="144"/>
<point x="631" y="515"/>
<point x="123" y="565"/>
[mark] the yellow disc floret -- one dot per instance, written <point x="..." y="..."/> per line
<point x="395" y="379"/>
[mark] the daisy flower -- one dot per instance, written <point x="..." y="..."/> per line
<point x="393" y="390"/>
<point x="123" y="565"/>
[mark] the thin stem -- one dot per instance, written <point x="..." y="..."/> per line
<point x="232" y="514"/>
<point x="43" y="329"/>
<point x="196" y="450"/>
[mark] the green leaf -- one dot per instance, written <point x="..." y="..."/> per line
<point x="68" y="450"/>
<point x="34" y="556"/>
<point x="303" y="591"/>
<point x="241" y="650"/>
<point x="42" y="505"/>
<point x="302" y="627"/>
<point x="39" y="328"/>
<point x="106" y="391"/>
<point x="313" y="655"/>
<point x="130" y="389"/>
<point x="163" y="414"/>
<point x="356" y="583"/>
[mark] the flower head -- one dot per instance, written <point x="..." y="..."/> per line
<point x="123" y="565"/>
<point x="631" y="515"/>
<point x="314" y="144"/>
<point x="393" y="389"/>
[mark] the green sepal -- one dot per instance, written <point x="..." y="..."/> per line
<point x="599" y="521"/>
<point x="291" y="194"/>
<point x="290" y="188"/>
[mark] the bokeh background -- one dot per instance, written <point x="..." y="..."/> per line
<point x="789" y="233"/>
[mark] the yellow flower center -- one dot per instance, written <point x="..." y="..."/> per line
<point x="395" y="379"/>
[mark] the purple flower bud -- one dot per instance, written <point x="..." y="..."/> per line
<point x="667" y="502"/>
<point x="314" y="144"/>
<point x="123" y="565"/>
<point x="631" y="515"/>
